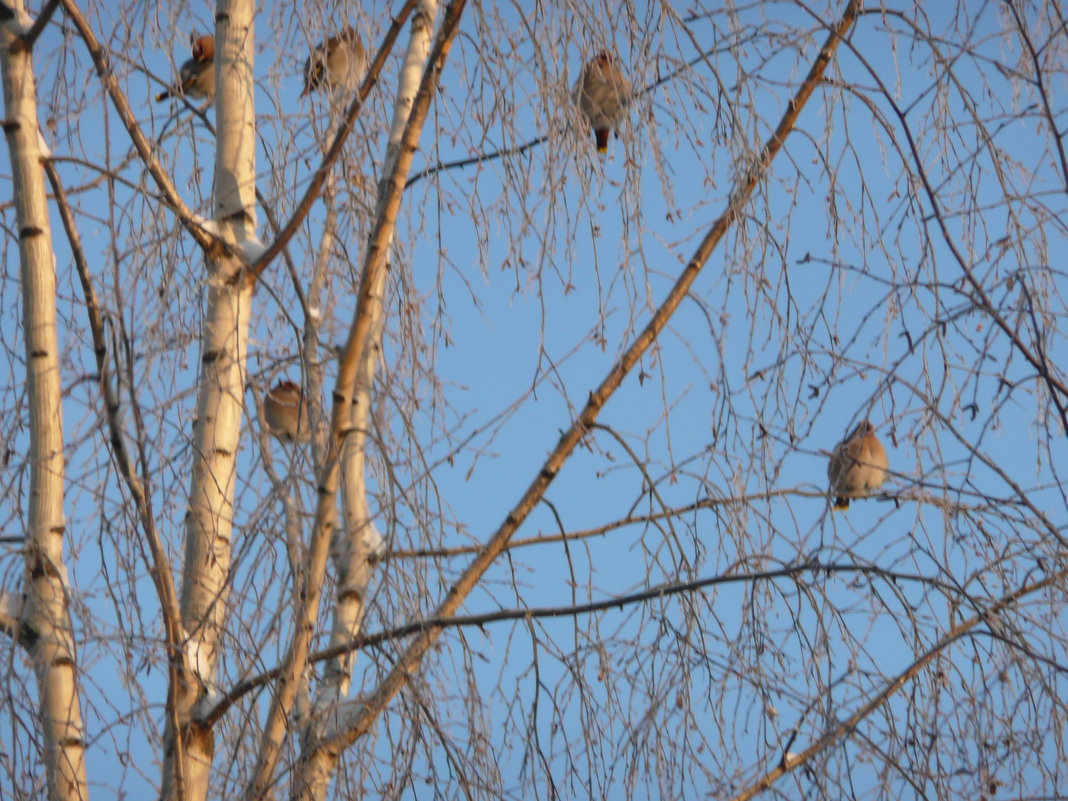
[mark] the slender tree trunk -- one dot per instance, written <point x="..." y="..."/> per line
<point x="46" y="622"/>
<point x="358" y="541"/>
<point x="220" y="404"/>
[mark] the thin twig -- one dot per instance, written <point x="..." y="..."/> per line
<point x="620" y="602"/>
<point x="893" y="686"/>
<point x="333" y="153"/>
<point x="407" y="662"/>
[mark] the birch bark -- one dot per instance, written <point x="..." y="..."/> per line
<point x="46" y="628"/>
<point x="358" y="542"/>
<point x="220" y="403"/>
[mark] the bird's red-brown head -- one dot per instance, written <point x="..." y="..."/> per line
<point x="202" y="47"/>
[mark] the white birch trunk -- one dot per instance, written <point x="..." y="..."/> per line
<point x="220" y="404"/>
<point x="358" y="542"/>
<point x="45" y="615"/>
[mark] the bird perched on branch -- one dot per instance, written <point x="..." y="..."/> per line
<point x="602" y="93"/>
<point x="858" y="465"/>
<point x="286" y="412"/>
<point x="339" y="62"/>
<point x="196" y="77"/>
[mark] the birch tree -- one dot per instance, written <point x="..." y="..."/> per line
<point x="561" y="524"/>
<point x="38" y="618"/>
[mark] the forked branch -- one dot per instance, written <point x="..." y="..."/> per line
<point x="390" y="685"/>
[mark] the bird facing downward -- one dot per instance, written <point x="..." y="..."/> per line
<point x="196" y="77"/>
<point x="286" y="412"/>
<point x="858" y="465"/>
<point x="339" y="62"/>
<point x="602" y="93"/>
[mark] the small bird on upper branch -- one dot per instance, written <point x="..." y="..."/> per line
<point x="286" y="412"/>
<point x="602" y="93"/>
<point x="858" y="465"/>
<point x="196" y="77"/>
<point x="339" y="62"/>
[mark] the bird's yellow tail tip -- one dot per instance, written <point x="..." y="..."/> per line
<point x="841" y="504"/>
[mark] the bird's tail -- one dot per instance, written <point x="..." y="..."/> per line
<point x="841" y="503"/>
<point x="602" y="139"/>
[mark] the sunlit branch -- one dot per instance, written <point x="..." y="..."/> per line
<point x="481" y="158"/>
<point x="333" y="153"/>
<point x="43" y="18"/>
<point x="410" y="658"/>
<point x="909" y="496"/>
<point x="159" y="567"/>
<point x="104" y="174"/>
<point x="360" y="333"/>
<point x="518" y="150"/>
<point x="650" y="484"/>
<point x="101" y="61"/>
<point x="619" y="602"/>
<point x="897" y="683"/>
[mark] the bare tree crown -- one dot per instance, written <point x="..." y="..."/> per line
<point x="436" y="399"/>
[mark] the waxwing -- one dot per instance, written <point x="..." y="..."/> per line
<point x="286" y="412"/>
<point x="339" y="62"/>
<point x="602" y="93"/>
<point x="857" y="466"/>
<point x="196" y="77"/>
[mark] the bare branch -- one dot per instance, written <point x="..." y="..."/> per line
<point x="398" y="676"/>
<point x="318" y="180"/>
<point x="895" y="685"/>
<point x="144" y="148"/>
